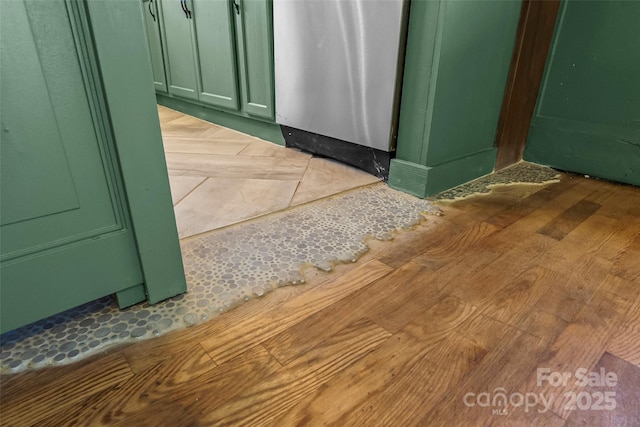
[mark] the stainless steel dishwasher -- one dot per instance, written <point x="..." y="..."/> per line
<point x="337" y="69"/>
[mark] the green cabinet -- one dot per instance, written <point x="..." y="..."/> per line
<point x="219" y="53"/>
<point x="255" y="52"/>
<point x="151" y="23"/>
<point x="215" y="48"/>
<point x="180" y="55"/>
<point x="83" y="181"/>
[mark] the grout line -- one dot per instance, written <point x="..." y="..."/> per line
<point x="300" y="180"/>
<point x="193" y="189"/>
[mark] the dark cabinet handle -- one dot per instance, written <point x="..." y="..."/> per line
<point x="237" y="6"/>
<point x="186" y="9"/>
<point x="151" y="10"/>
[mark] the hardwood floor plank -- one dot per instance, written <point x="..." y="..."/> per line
<point x="617" y="200"/>
<point x="261" y="404"/>
<point x="413" y="298"/>
<point x="389" y="291"/>
<point x="543" y="325"/>
<point x="530" y="418"/>
<point x="627" y="264"/>
<point x="190" y="401"/>
<point x="420" y="384"/>
<point x="374" y="373"/>
<point x="453" y="248"/>
<point x="233" y="339"/>
<point x="602" y="236"/>
<point x="581" y="276"/>
<point x="505" y="367"/>
<point x="625" y="342"/>
<point x="160" y="383"/>
<point x="482" y="286"/>
<point x="485" y="331"/>
<point x="559" y="227"/>
<point x="145" y="355"/>
<point x="580" y="345"/>
<point x="430" y="233"/>
<point x="509" y="301"/>
<point x="521" y="208"/>
<point x="483" y="206"/>
<point x="624" y="394"/>
<point x="27" y="404"/>
<point x="528" y="224"/>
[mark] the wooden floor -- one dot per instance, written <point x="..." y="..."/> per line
<point x="425" y="330"/>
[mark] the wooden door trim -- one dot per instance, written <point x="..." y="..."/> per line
<point x="533" y="41"/>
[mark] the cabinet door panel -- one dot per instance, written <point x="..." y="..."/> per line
<point x="151" y="18"/>
<point x="179" y="50"/>
<point x="62" y="200"/>
<point x="255" y="39"/>
<point x="213" y="20"/>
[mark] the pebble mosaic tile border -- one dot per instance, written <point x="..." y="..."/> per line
<point x="520" y="173"/>
<point x="224" y="268"/>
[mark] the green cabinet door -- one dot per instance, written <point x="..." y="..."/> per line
<point x="62" y="199"/>
<point x="179" y="48"/>
<point x="215" y="41"/>
<point x="151" y="18"/>
<point x="254" y="24"/>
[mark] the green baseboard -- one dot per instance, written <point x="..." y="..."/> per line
<point x="423" y="181"/>
<point x="268" y="131"/>
<point x="598" y="150"/>
<point x="409" y="177"/>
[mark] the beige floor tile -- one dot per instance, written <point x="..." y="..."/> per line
<point x="166" y="114"/>
<point x="203" y="146"/>
<point x="327" y="177"/>
<point x="232" y="135"/>
<point x="213" y="133"/>
<point x="183" y="185"/>
<point x="215" y="166"/>
<point x="190" y="121"/>
<point x="181" y="131"/>
<point x="248" y="177"/>
<point x="220" y="202"/>
<point x="176" y="172"/>
<point x="269" y="149"/>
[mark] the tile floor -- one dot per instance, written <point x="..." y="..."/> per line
<point x="221" y="177"/>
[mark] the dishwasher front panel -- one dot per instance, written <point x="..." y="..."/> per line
<point x="336" y="67"/>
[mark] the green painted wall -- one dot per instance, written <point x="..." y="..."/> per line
<point x="456" y="66"/>
<point x="587" y="119"/>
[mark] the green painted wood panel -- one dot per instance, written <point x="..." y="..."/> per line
<point x="152" y="27"/>
<point x="587" y="118"/>
<point x="215" y="41"/>
<point x="179" y="52"/>
<point x="130" y="101"/>
<point x="254" y="26"/>
<point x="56" y="253"/>
<point x="456" y="65"/>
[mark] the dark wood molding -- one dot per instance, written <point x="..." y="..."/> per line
<point x="533" y="40"/>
